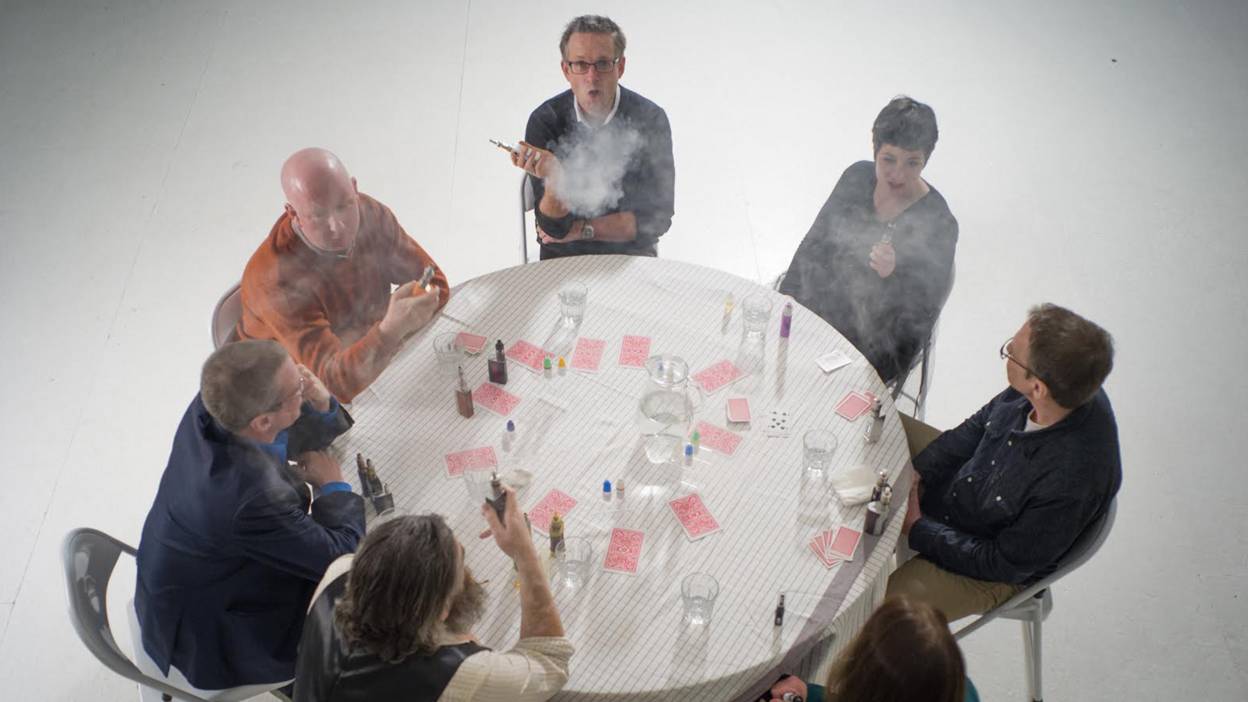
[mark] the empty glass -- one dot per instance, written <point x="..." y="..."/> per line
<point x="449" y="354"/>
<point x="755" y="312"/>
<point x="698" y="592"/>
<point x="572" y="302"/>
<point x="818" y="445"/>
<point x="572" y="564"/>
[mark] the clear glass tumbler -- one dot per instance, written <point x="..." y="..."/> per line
<point x="572" y="302"/>
<point x="818" y="445"/>
<point x="573" y="563"/>
<point x="698" y="592"/>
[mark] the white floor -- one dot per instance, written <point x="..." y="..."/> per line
<point x="1094" y="154"/>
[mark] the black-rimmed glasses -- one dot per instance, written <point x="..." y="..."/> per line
<point x="601" y="65"/>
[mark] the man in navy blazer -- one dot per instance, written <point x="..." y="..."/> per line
<point x="231" y="552"/>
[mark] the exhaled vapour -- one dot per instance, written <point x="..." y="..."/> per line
<point x="593" y="164"/>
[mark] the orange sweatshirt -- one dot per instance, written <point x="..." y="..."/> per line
<point x="324" y="309"/>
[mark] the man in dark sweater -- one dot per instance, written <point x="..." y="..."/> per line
<point x="1002" y="497"/>
<point x="599" y="156"/>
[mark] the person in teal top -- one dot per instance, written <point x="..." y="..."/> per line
<point x="904" y="653"/>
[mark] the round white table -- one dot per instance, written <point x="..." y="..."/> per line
<point x="576" y="430"/>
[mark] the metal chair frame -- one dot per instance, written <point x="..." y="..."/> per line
<point x="1032" y="605"/>
<point x="527" y="205"/>
<point x="89" y="557"/>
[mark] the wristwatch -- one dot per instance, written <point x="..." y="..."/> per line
<point x="587" y="231"/>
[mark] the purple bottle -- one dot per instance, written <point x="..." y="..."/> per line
<point x="786" y="320"/>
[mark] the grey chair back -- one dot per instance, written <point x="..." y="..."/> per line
<point x="527" y="205"/>
<point x="89" y="557"/>
<point x="225" y="316"/>
<point x="1086" y="546"/>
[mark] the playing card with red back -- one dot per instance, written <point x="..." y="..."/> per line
<point x="844" y="543"/>
<point x="718" y="439"/>
<point x="634" y="351"/>
<point x="470" y="343"/>
<point x="527" y="355"/>
<point x="817" y="545"/>
<point x="694" y="516"/>
<point x="853" y="405"/>
<point x="470" y="459"/>
<point x="542" y="512"/>
<point x="495" y="399"/>
<point x="624" y="551"/>
<point x="717" y="376"/>
<point x="587" y="355"/>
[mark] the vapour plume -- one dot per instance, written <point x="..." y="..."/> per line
<point x="593" y="163"/>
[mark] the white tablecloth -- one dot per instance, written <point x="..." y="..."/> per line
<point x="575" y="430"/>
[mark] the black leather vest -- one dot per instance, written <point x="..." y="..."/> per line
<point x="332" y="670"/>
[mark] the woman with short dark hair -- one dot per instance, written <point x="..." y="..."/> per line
<point x="877" y="262"/>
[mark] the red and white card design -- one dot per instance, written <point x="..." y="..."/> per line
<point x="624" y="551"/>
<point x="844" y="543"/>
<point x="470" y="459"/>
<point x="634" y="351"/>
<point x="835" y="545"/>
<point x="737" y="409"/>
<point x="470" y="343"/>
<point x="819" y="545"/>
<point x="718" y="439"/>
<point x="542" y="512"/>
<point x="587" y="355"/>
<point x="855" y="404"/>
<point x="495" y="399"/>
<point x="717" y="376"/>
<point x="694" y="516"/>
<point x="527" y="355"/>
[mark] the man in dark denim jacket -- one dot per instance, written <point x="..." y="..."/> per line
<point x="1002" y="497"/>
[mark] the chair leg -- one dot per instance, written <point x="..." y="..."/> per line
<point x="1031" y="654"/>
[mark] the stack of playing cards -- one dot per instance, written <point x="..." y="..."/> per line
<point x="835" y="545"/>
<point x="470" y="343"/>
<point x="855" y="404"/>
<point x="738" y="409"/>
<point x="624" y="551"/>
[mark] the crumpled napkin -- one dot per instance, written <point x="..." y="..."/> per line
<point x="853" y="487"/>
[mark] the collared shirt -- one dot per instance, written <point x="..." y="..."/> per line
<point x="614" y="106"/>
<point x="1003" y="504"/>
<point x="278" y="447"/>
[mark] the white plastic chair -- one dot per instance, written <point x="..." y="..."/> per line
<point x="89" y="557"/>
<point x="225" y="316"/>
<point x="527" y="205"/>
<point x="1032" y="605"/>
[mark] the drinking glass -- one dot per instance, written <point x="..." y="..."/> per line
<point x="698" y="592"/>
<point x="572" y="564"/>
<point x="449" y="354"/>
<point x="478" y="484"/>
<point x="818" y="445"/>
<point x="755" y="312"/>
<point x="572" y="302"/>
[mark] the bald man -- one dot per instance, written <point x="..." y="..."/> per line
<point x="320" y="284"/>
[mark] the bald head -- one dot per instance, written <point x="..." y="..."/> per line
<point x="322" y="199"/>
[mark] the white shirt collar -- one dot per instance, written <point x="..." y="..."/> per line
<point x="615" y="106"/>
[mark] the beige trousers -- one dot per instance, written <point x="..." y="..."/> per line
<point x="956" y="595"/>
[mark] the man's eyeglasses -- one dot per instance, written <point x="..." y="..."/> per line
<point x="1005" y="356"/>
<point x="601" y="65"/>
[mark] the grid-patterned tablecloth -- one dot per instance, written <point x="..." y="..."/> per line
<point x="575" y="430"/>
